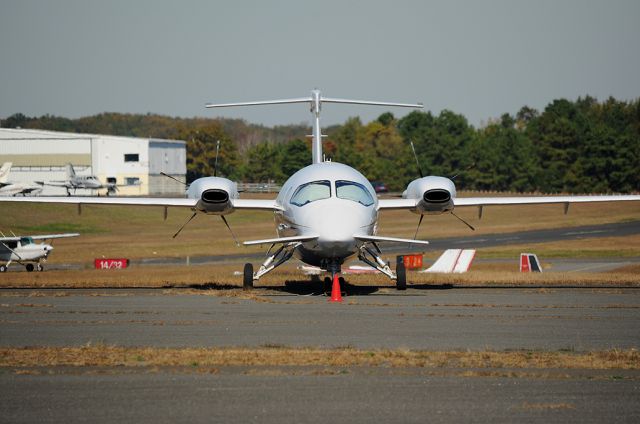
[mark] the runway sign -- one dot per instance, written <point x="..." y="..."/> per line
<point x="410" y="261"/>
<point x="111" y="263"/>
<point x="455" y="261"/>
<point x="529" y="263"/>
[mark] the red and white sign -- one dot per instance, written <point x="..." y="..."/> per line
<point x="412" y="261"/>
<point x="111" y="263"/>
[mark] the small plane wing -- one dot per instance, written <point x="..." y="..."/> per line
<point x="54" y="236"/>
<point x="40" y="237"/>
<point x="281" y="240"/>
<point x="532" y="200"/>
<point x="389" y="239"/>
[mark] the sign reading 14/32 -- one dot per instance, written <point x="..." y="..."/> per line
<point x="111" y="263"/>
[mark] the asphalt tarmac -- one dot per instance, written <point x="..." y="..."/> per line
<point x="461" y="319"/>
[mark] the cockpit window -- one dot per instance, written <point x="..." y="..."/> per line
<point x="26" y="240"/>
<point x="353" y="191"/>
<point x="310" y="192"/>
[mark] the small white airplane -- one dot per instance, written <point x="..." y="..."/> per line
<point x="75" y="181"/>
<point x="326" y="212"/>
<point x="23" y="250"/>
<point x="8" y="188"/>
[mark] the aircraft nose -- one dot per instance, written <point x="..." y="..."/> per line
<point x="338" y="222"/>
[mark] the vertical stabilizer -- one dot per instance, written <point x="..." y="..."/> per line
<point x="70" y="171"/>
<point x="4" y="172"/>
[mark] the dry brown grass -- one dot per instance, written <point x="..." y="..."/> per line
<point x="222" y="279"/>
<point x="101" y="355"/>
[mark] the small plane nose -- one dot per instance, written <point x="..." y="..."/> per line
<point x="337" y="223"/>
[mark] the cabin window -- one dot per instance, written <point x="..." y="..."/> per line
<point x="353" y="191"/>
<point x="25" y="241"/>
<point x="310" y="192"/>
<point x="131" y="157"/>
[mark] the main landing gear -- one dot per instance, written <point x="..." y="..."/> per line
<point x="372" y="258"/>
<point x="282" y="255"/>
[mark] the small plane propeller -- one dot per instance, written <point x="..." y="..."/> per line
<point x="215" y="174"/>
<point x="413" y="149"/>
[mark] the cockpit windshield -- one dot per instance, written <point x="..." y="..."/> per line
<point x="26" y="240"/>
<point x="310" y="192"/>
<point x="353" y="191"/>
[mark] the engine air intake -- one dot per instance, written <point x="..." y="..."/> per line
<point x="215" y="196"/>
<point x="436" y="195"/>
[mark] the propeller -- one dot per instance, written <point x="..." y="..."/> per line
<point x="185" y="224"/>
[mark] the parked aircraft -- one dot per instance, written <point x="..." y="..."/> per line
<point x="75" y="181"/>
<point x="24" y="250"/>
<point x="9" y="188"/>
<point x="326" y="212"/>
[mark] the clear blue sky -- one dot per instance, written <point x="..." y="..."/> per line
<point x="479" y="58"/>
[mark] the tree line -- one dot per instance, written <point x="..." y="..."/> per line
<point x="581" y="146"/>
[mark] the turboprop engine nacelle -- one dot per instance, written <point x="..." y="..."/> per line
<point x="435" y="195"/>
<point x="215" y="195"/>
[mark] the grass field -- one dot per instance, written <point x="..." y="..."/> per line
<point x="141" y="232"/>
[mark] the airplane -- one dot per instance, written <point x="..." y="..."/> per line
<point x="326" y="212"/>
<point x="75" y="181"/>
<point x="8" y="188"/>
<point x="25" y="251"/>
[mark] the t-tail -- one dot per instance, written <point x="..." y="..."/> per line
<point x="315" y="102"/>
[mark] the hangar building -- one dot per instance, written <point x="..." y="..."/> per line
<point x="134" y="164"/>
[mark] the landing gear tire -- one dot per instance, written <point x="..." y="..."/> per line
<point x="401" y="277"/>
<point x="29" y="267"/>
<point x="39" y="268"/>
<point x="247" y="280"/>
<point x="3" y="268"/>
<point x="326" y="285"/>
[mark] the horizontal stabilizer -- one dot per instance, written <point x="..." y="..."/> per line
<point x="280" y="240"/>
<point x="389" y="239"/>
<point x="453" y="261"/>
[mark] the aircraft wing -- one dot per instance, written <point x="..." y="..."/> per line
<point x="253" y="204"/>
<point x="389" y="239"/>
<point x="398" y="203"/>
<point x="386" y="204"/>
<point x="533" y="200"/>
<point x="54" y="236"/>
<point x="281" y="240"/>
<point x="86" y="200"/>
<point x="256" y="204"/>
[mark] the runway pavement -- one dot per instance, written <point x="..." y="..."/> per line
<point x="454" y="319"/>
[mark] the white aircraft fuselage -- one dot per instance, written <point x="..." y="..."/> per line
<point x="334" y="215"/>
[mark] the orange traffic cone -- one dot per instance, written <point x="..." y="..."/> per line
<point x="336" y="295"/>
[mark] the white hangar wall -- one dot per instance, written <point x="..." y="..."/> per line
<point x="134" y="164"/>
